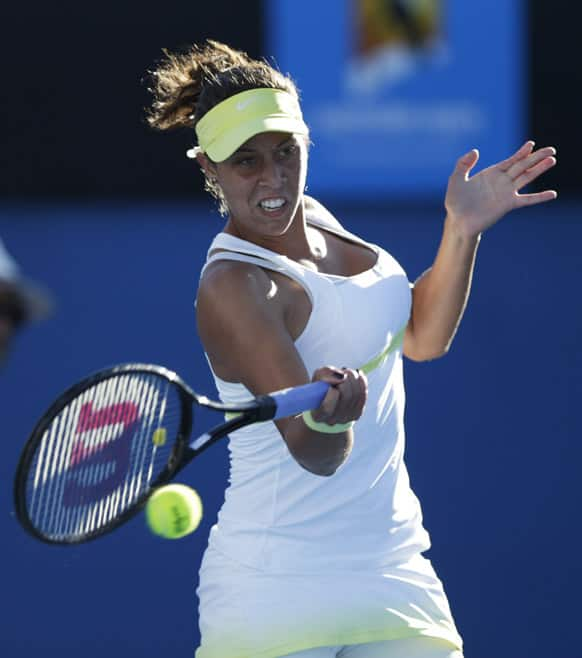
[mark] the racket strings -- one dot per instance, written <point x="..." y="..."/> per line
<point x="101" y="453"/>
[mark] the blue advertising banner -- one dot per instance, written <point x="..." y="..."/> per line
<point x="394" y="91"/>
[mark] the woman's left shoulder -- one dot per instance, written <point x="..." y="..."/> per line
<point x="317" y="212"/>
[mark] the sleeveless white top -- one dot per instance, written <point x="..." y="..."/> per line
<point x="279" y="517"/>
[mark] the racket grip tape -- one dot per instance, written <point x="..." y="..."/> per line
<point x="293" y="401"/>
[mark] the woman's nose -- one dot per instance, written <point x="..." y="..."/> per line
<point x="273" y="174"/>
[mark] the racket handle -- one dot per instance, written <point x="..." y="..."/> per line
<point x="292" y="401"/>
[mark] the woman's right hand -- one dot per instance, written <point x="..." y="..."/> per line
<point x="346" y="398"/>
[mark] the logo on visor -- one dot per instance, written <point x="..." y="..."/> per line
<point x="241" y="105"/>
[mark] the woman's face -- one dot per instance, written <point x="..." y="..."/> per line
<point x="263" y="183"/>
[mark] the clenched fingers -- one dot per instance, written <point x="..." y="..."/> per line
<point x="346" y="398"/>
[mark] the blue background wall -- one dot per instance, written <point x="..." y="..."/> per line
<point x="391" y="120"/>
<point x="493" y="428"/>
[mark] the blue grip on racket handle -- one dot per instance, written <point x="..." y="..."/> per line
<point x="293" y="401"/>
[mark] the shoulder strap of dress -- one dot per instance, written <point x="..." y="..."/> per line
<point x="228" y="247"/>
<point x="318" y="215"/>
<point x="220" y="253"/>
<point x="224" y="245"/>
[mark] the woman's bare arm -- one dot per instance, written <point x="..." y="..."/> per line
<point x="242" y="327"/>
<point x="473" y="205"/>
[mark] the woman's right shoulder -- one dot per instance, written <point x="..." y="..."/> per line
<point x="230" y="289"/>
<point x="224" y="278"/>
<point x="235" y="312"/>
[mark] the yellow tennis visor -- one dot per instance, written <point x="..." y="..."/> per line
<point x="228" y="125"/>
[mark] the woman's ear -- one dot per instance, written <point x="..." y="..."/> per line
<point x="207" y="166"/>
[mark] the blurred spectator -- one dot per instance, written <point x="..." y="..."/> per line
<point x="21" y="301"/>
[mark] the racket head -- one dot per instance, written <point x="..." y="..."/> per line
<point x="94" y="457"/>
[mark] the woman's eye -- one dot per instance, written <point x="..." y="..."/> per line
<point x="245" y="162"/>
<point x="288" y="151"/>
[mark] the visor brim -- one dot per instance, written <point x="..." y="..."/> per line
<point x="231" y="140"/>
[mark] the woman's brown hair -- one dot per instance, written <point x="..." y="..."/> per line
<point x="185" y="86"/>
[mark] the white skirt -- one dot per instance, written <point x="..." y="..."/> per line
<point x="251" y="613"/>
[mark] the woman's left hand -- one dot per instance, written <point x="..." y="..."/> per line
<point x="475" y="203"/>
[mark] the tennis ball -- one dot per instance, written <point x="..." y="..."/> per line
<point x="173" y="511"/>
<point x="159" y="436"/>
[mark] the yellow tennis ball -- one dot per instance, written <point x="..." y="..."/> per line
<point x="159" y="436"/>
<point x="173" y="511"/>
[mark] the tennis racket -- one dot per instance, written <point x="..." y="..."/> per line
<point x="107" y="442"/>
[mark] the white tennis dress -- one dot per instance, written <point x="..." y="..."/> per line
<point x="297" y="560"/>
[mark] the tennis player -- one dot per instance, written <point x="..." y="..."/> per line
<point x="21" y="301"/>
<point x="317" y="552"/>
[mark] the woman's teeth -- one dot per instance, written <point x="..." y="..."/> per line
<point x="272" y="204"/>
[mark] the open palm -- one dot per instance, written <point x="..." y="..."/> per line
<point x="479" y="201"/>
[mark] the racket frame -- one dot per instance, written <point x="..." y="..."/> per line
<point x="261" y="408"/>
